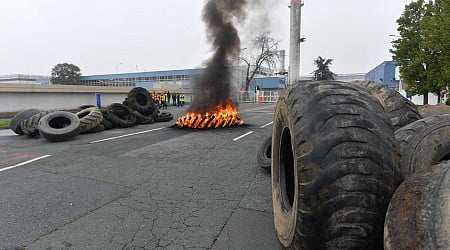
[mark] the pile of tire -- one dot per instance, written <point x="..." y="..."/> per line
<point x="53" y="125"/>
<point x="355" y="166"/>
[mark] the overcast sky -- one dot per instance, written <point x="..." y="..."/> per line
<point x="105" y="36"/>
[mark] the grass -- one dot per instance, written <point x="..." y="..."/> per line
<point x="4" y="124"/>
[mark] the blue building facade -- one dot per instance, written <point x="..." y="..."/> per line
<point x="384" y="74"/>
<point x="142" y="79"/>
<point x="268" y="83"/>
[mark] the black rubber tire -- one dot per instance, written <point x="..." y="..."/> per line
<point x="141" y="119"/>
<point x="107" y="124"/>
<point x="98" y="128"/>
<point x="400" y="110"/>
<point x="30" y="126"/>
<point x="139" y="99"/>
<point x="423" y="143"/>
<point x="120" y="115"/>
<point x="89" y="119"/>
<point x="155" y="111"/>
<point x="59" y="126"/>
<point x="86" y="106"/>
<point x="15" y="122"/>
<point x="418" y="216"/>
<point x="164" y="117"/>
<point x="334" y="167"/>
<point x="264" y="156"/>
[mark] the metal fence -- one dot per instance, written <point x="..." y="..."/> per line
<point x="258" y="96"/>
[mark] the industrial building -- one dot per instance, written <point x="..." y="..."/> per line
<point x="385" y="73"/>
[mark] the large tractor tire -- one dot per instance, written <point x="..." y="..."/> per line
<point x="59" y="126"/>
<point x="120" y="115"/>
<point x="423" y="143"/>
<point x="418" y="216"/>
<point x="139" y="99"/>
<point x="141" y="119"/>
<point x="30" y="126"/>
<point x="15" y="126"/>
<point x="400" y="110"/>
<point x="334" y="167"/>
<point x="89" y="119"/>
<point x="264" y="156"/>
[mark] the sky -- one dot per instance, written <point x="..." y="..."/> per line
<point x="119" y="36"/>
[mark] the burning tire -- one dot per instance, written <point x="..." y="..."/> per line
<point x="139" y="99"/>
<point x="89" y="119"/>
<point x="15" y="126"/>
<point x="263" y="157"/>
<point x="334" y="167"/>
<point x="423" y="143"/>
<point x="400" y="110"/>
<point x="59" y="126"/>
<point x="30" y="126"/>
<point x="120" y="115"/>
<point x="418" y="216"/>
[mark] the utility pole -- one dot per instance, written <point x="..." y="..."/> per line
<point x="295" y="40"/>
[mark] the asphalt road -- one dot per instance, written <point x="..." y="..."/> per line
<point x="147" y="187"/>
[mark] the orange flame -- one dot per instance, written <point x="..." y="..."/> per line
<point x="224" y="115"/>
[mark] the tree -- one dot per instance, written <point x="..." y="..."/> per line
<point x="266" y="47"/>
<point x="323" y="71"/>
<point x="65" y="73"/>
<point x="422" y="51"/>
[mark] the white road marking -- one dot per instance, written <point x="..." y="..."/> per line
<point x="122" y="136"/>
<point x="25" y="162"/>
<point x="242" y="136"/>
<point x="270" y="123"/>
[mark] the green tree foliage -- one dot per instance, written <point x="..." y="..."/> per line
<point x="323" y="71"/>
<point x="66" y="74"/>
<point x="422" y="51"/>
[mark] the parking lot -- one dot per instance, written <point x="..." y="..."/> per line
<point x="147" y="187"/>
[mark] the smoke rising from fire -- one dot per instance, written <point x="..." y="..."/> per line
<point x="213" y="87"/>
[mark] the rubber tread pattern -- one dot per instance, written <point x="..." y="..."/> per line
<point x="347" y="166"/>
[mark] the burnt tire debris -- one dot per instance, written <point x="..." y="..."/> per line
<point x="138" y="108"/>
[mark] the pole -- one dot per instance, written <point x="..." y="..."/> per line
<point x="295" y="40"/>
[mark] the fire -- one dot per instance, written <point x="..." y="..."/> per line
<point x="222" y="116"/>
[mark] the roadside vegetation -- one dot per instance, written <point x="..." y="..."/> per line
<point x="4" y="124"/>
<point x="423" y="47"/>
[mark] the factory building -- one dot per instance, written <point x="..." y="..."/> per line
<point x="385" y="74"/>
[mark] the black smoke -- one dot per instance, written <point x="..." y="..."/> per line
<point x="213" y="86"/>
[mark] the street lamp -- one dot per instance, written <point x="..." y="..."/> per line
<point x="117" y="66"/>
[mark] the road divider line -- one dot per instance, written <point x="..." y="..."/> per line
<point x="25" y="162"/>
<point x="122" y="136"/>
<point x="270" y="123"/>
<point x="242" y="136"/>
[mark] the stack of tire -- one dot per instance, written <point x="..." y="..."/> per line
<point x="53" y="125"/>
<point x="56" y="125"/>
<point x="354" y="166"/>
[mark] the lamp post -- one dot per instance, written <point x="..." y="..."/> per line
<point x="117" y="66"/>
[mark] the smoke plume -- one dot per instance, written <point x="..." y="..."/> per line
<point x="213" y="87"/>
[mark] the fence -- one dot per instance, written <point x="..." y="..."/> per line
<point x="259" y="96"/>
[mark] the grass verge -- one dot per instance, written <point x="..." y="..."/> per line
<point x="4" y="125"/>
